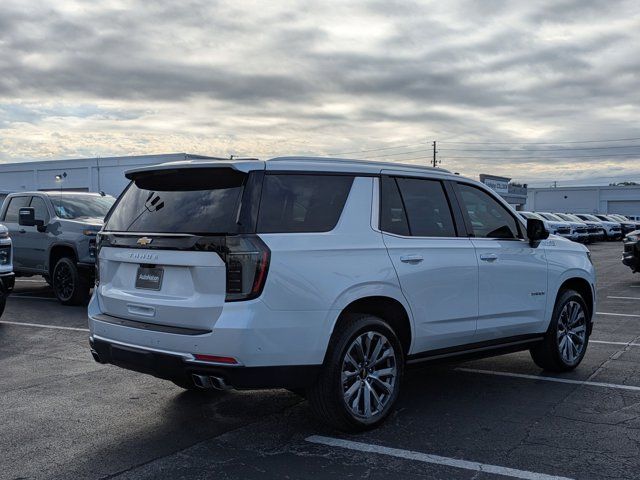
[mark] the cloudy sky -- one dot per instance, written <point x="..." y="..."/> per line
<point x="505" y="87"/>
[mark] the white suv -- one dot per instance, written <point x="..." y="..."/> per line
<point x="327" y="277"/>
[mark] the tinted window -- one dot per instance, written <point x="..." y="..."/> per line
<point x="392" y="215"/>
<point x="489" y="219"/>
<point x="41" y="212"/>
<point x="302" y="203"/>
<point x="198" y="201"/>
<point x="426" y="207"/>
<point x="70" y="207"/>
<point x="15" y="204"/>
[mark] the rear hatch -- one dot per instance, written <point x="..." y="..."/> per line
<point x="179" y="243"/>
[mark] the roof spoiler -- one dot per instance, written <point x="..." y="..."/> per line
<point x="244" y="165"/>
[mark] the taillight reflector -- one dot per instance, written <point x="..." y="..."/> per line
<point x="215" y="359"/>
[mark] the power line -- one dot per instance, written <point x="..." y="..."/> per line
<point x="568" y="149"/>
<point x="525" y="158"/>
<point x="378" y="149"/>
<point x="568" y="157"/>
<point x="492" y="143"/>
<point x="542" y="143"/>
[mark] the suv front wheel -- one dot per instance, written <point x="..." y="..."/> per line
<point x="566" y="340"/>
<point x="69" y="285"/>
<point x="360" y="379"/>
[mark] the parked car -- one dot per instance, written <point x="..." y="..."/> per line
<point x="6" y="270"/>
<point x="54" y="235"/>
<point x="558" y="225"/>
<point x="327" y="277"/>
<point x="596" y="229"/>
<point x="631" y="252"/>
<point x="628" y="226"/>
<point x="612" y="221"/>
<point x="579" y="229"/>
<point x="612" y="230"/>
<point x="554" y="227"/>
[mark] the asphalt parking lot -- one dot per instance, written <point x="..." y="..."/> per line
<point x="64" y="416"/>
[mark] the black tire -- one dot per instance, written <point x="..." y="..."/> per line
<point x="555" y="354"/>
<point x="326" y="396"/>
<point x="3" y="303"/>
<point x="69" y="285"/>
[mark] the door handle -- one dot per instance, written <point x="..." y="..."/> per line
<point x="488" y="257"/>
<point x="411" y="258"/>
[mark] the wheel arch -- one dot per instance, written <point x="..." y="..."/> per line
<point x="59" y="250"/>
<point x="584" y="288"/>
<point x="390" y="309"/>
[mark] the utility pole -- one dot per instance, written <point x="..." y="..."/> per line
<point x="435" y="160"/>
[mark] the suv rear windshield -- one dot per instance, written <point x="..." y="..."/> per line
<point x="209" y="201"/>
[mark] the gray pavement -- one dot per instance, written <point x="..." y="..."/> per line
<point x="64" y="416"/>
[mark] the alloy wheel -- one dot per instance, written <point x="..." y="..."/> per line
<point x="369" y="374"/>
<point x="63" y="281"/>
<point x="572" y="331"/>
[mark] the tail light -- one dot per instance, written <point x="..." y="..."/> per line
<point x="247" y="259"/>
<point x="96" y="255"/>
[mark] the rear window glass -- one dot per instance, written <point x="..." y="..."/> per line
<point x="302" y="203"/>
<point x="197" y="201"/>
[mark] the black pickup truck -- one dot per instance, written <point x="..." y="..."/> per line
<point x="631" y="253"/>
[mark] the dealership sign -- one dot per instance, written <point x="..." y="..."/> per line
<point x="497" y="184"/>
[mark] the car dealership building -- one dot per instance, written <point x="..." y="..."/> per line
<point x="80" y="175"/>
<point x="598" y="199"/>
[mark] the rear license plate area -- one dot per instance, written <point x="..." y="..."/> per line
<point x="149" y="278"/>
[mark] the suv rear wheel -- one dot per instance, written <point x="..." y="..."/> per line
<point x="565" y="342"/>
<point x="3" y="303"/>
<point x="69" y="285"/>
<point x="360" y="379"/>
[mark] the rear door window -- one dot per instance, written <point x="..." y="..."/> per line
<point x="15" y="204"/>
<point x="415" y="207"/>
<point x="302" y="203"/>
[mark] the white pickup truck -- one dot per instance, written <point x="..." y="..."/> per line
<point x="7" y="277"/>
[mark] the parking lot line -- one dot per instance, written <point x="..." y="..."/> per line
<point x="618" y="314"/>
<point x="617" y="386"/>
<point x="428" y="458"/>
<point x="38" y="325"/>
<point x="624" y="298"/>
<point x="626" y="344"/>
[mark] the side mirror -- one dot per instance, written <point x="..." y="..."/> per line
<point x="27" y="218"/>
<point x="536" y="231"/>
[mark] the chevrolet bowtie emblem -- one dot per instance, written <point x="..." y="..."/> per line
<point x="144" y="241"/>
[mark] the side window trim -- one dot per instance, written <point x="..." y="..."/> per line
<point x="521" y="232"/>
<point x="456" y="216"/>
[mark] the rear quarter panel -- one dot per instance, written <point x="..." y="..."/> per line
<point x="327" y="271"/>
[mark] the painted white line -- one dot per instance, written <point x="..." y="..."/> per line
<point x="30" y="281"/>
<point x="618" y="314"/>
<point x="626" y="344"/>
<point x="624" y="298"/>
<point x="428" y="458"/>
<point x="38" y="325"/>
<point x="616" y="386"/>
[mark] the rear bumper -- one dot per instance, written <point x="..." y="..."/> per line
<point x="178" y="367"/>
<point x="7" y="282"/>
